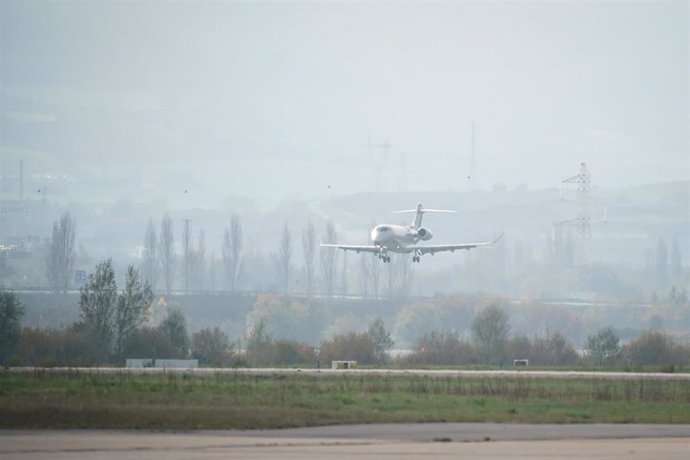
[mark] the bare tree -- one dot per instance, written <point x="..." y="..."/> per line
<point x="113" y="318"/>
<point x="212" y="346"/>
<point x="374" y="272"/>
<point x="212" y="271"/>
<point x="676" y="259"/>
<point x="166" y="253"/>
<point x="391" y="276"/>
<point x="364" y="275"/>
<point x="375" y="276"/>
<point x="404" y="274"/>
<point x="309" y="250"/>
<point x="232" y="251"/>
<point x="5" y="268"/>
<point x="187" y="252"/>
<point x="259" y="344"/>
<point x="490" y="329"/>
<point x="200" y="260"/>
<point x="604" y="346"/>
<point x="11" y="312"/>
<point x="343" y="274"/>
<point x="285" y="258"/>
<point x="61" y="253"/>
<point x="382" y="339"/>
<point x="365" y="272"/>
<point x="328" y="257"/>
<point x="661" y="260"/>
<point x="150" y="265"/>
<point x="394" y="280"/>
<point x="98" y="303"/>
<point x="133" y="306"/>
<point x="174" y="327"/>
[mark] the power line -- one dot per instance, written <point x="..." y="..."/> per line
<point x="582" y="222"/>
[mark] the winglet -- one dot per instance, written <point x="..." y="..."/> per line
<point x="497" y="238"/>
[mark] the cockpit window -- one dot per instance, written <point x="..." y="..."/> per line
<point x="383" y="229"/>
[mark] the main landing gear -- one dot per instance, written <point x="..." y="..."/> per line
<point x="416" y="258"/>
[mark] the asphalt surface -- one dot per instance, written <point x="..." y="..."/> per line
<point x="469" y="441"/>
<point x="469" y="432"/>
<point x="409" y="441"/>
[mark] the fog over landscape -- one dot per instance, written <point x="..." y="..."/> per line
<point x="119" y="118"/>
<point x="223" y="98"/>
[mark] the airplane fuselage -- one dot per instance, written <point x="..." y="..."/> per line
<point x="403" y="239"/>
<point x="394" y="238"/>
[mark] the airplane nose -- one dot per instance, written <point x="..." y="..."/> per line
<point x="374" y="236"/>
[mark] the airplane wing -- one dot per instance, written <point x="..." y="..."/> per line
<point x="357" y="249"/>
<point x="434" y="248"/>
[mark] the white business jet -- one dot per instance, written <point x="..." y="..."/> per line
<point x="403" y="239"/>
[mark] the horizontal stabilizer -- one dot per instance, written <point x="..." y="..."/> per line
<point x="419" y="212"/>
<point x="422" y="210"/>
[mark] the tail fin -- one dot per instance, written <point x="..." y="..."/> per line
<point x="419" y="212"/>
<point x="417" y="222"/>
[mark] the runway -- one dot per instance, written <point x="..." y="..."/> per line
<point x="409" y="441"/>
<point x="566" y="375"/>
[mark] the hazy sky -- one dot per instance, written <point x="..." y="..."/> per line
<point x="278" y="100"/>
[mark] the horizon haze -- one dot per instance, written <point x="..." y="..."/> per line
<point x="194" y="103"/>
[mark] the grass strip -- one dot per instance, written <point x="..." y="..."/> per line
<point x="232" y="400"/>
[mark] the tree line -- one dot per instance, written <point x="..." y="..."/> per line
<point x="116" y="324"/>
<point x="177" y="256"/>
<point x="491" y="344"/>
<point x="323" y="269"/>
<point x="113" y="324"/>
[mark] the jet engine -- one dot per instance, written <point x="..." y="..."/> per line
<point x="424" y="234"/>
